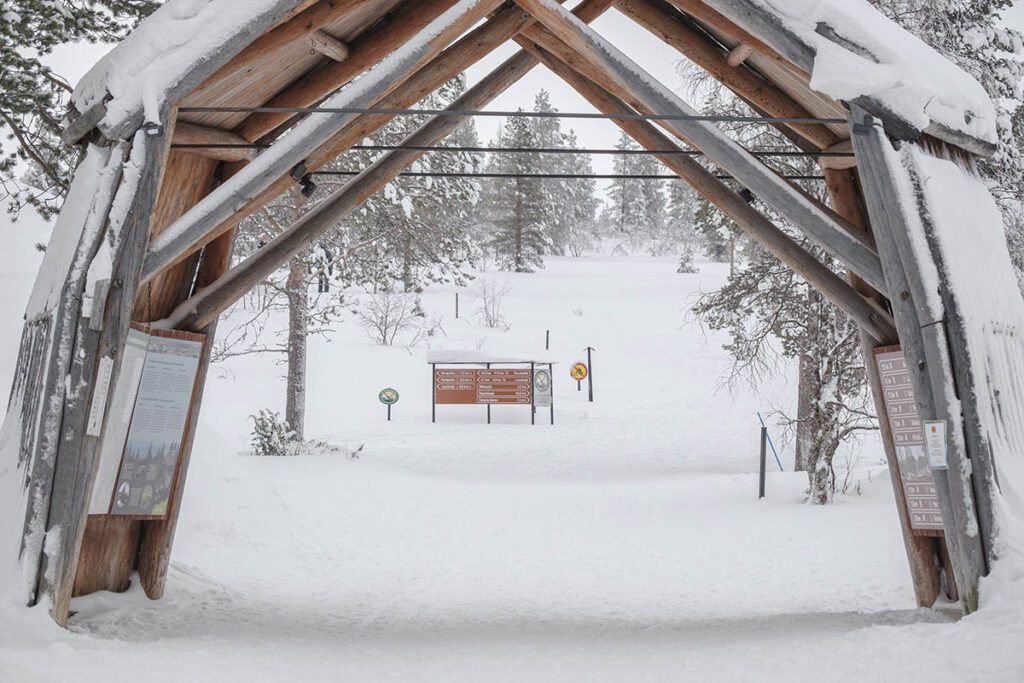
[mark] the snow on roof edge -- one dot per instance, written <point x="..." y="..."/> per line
<point x="855" y="53"/>
<point x="171" y="52"/>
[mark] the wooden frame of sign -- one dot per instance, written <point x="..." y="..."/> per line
<point x="149" y="444"/>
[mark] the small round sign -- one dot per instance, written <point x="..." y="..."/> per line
<point x="388" y="397"/>
<point x="579" y="371"/>
<point x="542" y="381"/>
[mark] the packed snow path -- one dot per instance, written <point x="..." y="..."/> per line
<point x="625" y="543"/>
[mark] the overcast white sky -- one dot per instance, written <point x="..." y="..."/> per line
<point x="73" y="61"/>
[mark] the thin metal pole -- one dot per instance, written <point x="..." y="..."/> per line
<point x="547" y="341"/>
<point x="433" y="393"/>
<point x="533" y="395"/>
<point x="590" y="373"/>
<point x="456" y="305"/>
<point x="764" y="462"/>
<point x="389" y="412"/>
<point x="552" y="176"/>
<point x="488" y="367"/>
<point x="551" y="380"/>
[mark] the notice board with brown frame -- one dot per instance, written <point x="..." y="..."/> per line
<point x="142" y="444"/>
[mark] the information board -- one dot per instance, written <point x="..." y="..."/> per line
<point x="459" y="386"/>
<point x="908" y="435"/>
<point x="142" y="443"/>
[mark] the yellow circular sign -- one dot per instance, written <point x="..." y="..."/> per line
<point x="579" y="371"/>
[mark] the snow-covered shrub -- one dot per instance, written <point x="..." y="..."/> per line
<point x="385" y="315"/>
<point x="271" y="435"/>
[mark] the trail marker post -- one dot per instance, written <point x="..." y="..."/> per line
<point x="764" y="463"/>
<point x="590" y="372"/>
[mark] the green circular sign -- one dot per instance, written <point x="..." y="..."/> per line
<point x="542" y="381"/>
<point x="388" y="397"/>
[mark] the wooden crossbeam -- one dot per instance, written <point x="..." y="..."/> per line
<point x="662" y="20"/>
<point x="190" y="134"/>
<point x="298" y="27"/>
<point x="722" y="25"/>
<point x="833" y="287"/>
<point x="209" y="302"/>
<point x="368" y="49"/>
<point x="328" y="45"/>
<point x="615" y="72"/>
<point x="449" y="64"/>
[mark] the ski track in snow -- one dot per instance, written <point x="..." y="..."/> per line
<point x="624" y="543"/>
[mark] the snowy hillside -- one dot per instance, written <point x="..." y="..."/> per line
<point x="623" y="543"/>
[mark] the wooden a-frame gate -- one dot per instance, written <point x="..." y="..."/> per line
<point x="146" y="236"/>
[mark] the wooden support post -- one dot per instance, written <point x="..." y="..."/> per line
<point x="662" y="20"/>
<point x="924" y="553"/>
<point x="240" y="202"/>
<point x="924" y="344"/>
<point x="718" y="193"/>
<point x="616" y="73"/>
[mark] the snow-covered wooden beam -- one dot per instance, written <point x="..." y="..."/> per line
<point x="615" y="72"/>
<point x="870" y="316"/>
<point x="209" y="302"/>
<point x="382" y="39"/>
<point x="195" y="230"/>
<point x="214" y="143"/>
<point x="913" y="283"/>
<point x="714" y="20"/>
<point x="305" y="23"/>
<point x="666" y="23"/>
<point x="755" y="18"/>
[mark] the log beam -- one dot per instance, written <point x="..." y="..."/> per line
<point x="382" y="39"/>
<point x="222" y="144"/>
<point x="615" y="72"/>
<point x="298" y="27"/>
<point x="328" y="46"/>
<point x="662" y="20"/>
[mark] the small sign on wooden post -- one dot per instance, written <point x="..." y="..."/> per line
<point x="935" y="442"/>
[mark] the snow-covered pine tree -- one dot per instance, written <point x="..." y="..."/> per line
<point x="516" y="207"/>
<point x="638" y="206"/>
<point x="576" y="219"/>
<point x="36" y="167"/>
<point x="682" y="209"/>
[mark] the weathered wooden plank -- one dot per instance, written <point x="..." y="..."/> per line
<point x="615" y="72"/>
<point x="922" y="343"/>
<point x="662" y="20"/>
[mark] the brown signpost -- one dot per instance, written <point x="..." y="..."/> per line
<point x="908" y="434"/>
<point x="459" y="386"/>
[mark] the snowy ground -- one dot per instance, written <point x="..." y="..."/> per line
<point x="624" y="543"/>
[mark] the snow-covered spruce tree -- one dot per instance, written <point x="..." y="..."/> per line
<point x="682" y="210"/>
<point x="516" y="208"/>
<point x="570" y="204"/>
<point x="418" y="229"/>
<point x="638" y="206"/>
<point x="36" y="167"/>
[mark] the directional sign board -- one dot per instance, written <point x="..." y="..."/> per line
<point x="579" y="371"/>
<point x="458" y="386"/>
<point x="909" y="438"/>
